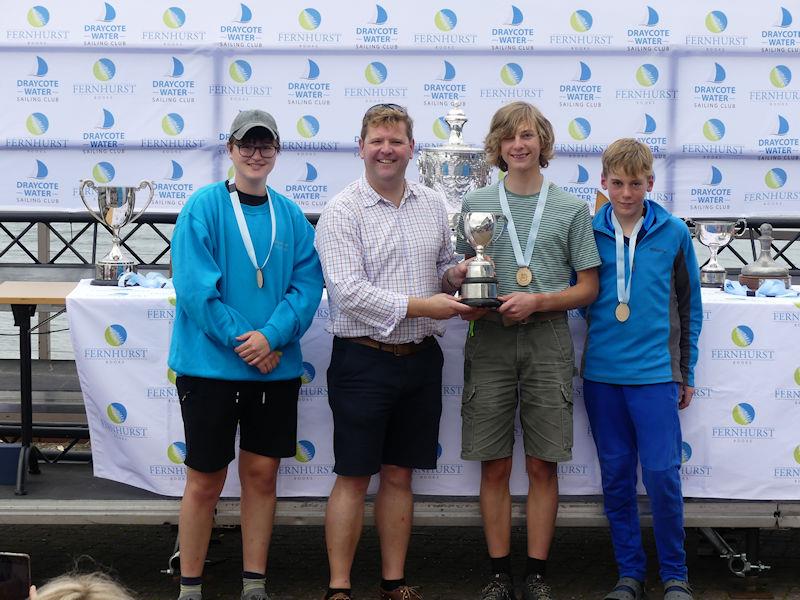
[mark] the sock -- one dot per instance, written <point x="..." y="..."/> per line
<point x="253" y="581"/>
<point x="389" y="585"/>
<point x="536" y="566"/>
<point x="191" y="585"/>
<point x="332" y="591"/>
<point x="501" y="565"/>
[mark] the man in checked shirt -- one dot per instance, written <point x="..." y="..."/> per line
<point x="389" y="267"/>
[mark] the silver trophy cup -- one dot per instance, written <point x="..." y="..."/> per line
<point x="480" y="229"/>
<point x="116" y="205"/>
<point x="454" y="168"/>
<point x="715" y="234"/>
<point x="764" y="267"/>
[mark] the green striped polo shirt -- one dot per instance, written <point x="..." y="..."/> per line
<point x="565" y="241"/>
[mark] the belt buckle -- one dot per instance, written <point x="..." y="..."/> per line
<point x="396" y="350"/>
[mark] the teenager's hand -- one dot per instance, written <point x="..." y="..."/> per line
<point x="254" y="348"/>
<point x="685" y="395"/>
<point x="32" y="593"/>
<point x="269" y="362"/>
<point x="519" y="305"/>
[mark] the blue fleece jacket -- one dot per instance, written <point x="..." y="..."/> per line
<point x="217" y="295"/>
<point x="658" y="343"/>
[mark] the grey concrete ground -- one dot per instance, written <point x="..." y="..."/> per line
<point x="448" y="562"/>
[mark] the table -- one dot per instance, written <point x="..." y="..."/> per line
<point x="24" y="297"/>
<point x="740" y="433"/>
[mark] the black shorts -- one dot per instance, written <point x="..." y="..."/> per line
<point x="265" y="411"/>
<point x="386" y="408"/>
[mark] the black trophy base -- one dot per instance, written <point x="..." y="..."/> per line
<point x="481" y="302"/>
<point x="106" y="282"/>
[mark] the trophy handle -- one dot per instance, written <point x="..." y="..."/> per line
<point x="741" y="227"/>
<point x="456" y="222"/>
<point x="142" y="185"/>
<point x="90" y="184"/>
<point x="500" y="225"/>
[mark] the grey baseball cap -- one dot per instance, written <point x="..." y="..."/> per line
<point x="247" y="119"/>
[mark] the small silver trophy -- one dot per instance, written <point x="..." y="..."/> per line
<point x="116" y="205"/>
<point x="764" y="267"/>
<point x="454" y="168"/>
<point x="480" y="285"/>
<point x="716" y="234"/>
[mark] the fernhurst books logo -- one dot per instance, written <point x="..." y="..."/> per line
<point x="37" y="123"/>
<point x="743" y="429"/>
<point x="581" y="21"/>
<point x="376" y="73"/>
<point x="103" y="172"/>
<point x="789" y="471"/>
<point x="172" y="376"/>
<point x="511" y="74"/>
<point x="790" y="393"/>
<point x="686" y="452"/>
<point x="308" y="126"/>
<point x="117" y="413"/>
<point x="174" y="17"/>
<point x="445" y="20"/>
<point x="713" y="130"/>
<point x="775" y="179"/>
<point x="309" y="19"/>
<point x="38" y="16"/>
<point x="309" y="372"/>
<point x="690" y="469"/>
<point x="579" y="128"/>
<point x="716" y="21"/>
<point x="647" y="75"/>
<point x="441" y="129"/>
<point x="104" y="69"/>
<point x="176" y="452"/>
<point x="743" y="413"/>
<point x="780" y="76"/>
<point x="172" y="124"/>
<point x="115" y="335"/>
<point x="746" y="350"/>
<point x="240" y="71"/>
<point x="305" y="451"/>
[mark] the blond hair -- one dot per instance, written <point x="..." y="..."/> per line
<point x="87" y="586"/>
<point x="505" y="124"/>
<point x="387" y="114"/>
<point x="628" y="156"/>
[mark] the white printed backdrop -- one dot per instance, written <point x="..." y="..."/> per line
<point x="741" y="433"/>
<point x="125" y="90"/>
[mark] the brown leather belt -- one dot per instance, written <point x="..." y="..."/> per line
<point x="537" y="317"/>
<point x="396" y="349"/>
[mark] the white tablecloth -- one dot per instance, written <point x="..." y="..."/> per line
<point x="742" y="432"/>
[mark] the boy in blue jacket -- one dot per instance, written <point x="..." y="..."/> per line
<point x="638" y="365"/>
<point x="248" y="282"/>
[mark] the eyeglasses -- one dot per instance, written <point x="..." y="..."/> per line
<point x="248" y="150"/>
<point x="390" y="106"/>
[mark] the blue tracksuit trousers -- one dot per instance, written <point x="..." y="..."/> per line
<point x="632" y="423"/>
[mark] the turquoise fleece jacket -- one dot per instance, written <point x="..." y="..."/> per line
<point x="217" y="295"/>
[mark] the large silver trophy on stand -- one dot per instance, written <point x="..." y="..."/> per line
<point x="716" y="234"/>
<point x="764" y="267"/>
<point x="454" y="168"/>
<point x="480" y="285"/>
<point x="116" y="205"/>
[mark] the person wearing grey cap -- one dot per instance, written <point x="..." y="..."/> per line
<point x="248" y="282"/>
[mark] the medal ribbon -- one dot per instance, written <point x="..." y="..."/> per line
<point x="523" y="260"/>
<point x="623" y="289"/>
<point x="244" y="232"/>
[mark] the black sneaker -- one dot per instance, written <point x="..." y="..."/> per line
<point x="536" y="589"/>
<point x="500" y="587"/>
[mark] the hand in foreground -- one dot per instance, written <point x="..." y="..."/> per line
<point x="254" y="347"/>
<point x="685" y="395"/>
<point x="32" y="593"/>
<point x="474" y="314"/>
<point x="519" y="305"/>
<point x="444" y="306"/>
<point x="269" y="362"/>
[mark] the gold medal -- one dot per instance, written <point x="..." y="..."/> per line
<point x="622" y="312"/>
<point x="259" y="278"/>
<point x="524" y="276"/>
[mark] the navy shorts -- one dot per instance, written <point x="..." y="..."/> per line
<point x="386" y="408"/>
<point x="265" y="412"/>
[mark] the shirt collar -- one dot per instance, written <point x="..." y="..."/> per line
<point x="370" y="197"/>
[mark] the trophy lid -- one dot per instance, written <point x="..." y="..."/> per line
<point x="455" y="119"/>
<point x="764" y="266"/>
